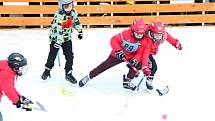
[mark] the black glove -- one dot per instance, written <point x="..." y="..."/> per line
<point x="120" y="55"/>
<point x="135" y="64"/>
<point x="80" y="35"/>
<point x="24" y="103"/>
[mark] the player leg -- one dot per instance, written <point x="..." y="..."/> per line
<point x="127" y="84"/>
<point x="69" y="56"/>
<point x="153" y="67"/>
<point x="108" y="63"/>
<point x="50" y="61"/>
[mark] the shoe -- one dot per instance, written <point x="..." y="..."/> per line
<point x="69" y="77"/>
<point x="46" y="74"/>
<point x="127" y="84"/>
<point x="149" y="82"/>
<point x="83" y="81"/>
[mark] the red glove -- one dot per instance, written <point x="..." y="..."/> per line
<point x="68" y="23"/>
<point x="146" y="70"/>
<point x="178" y="45"/>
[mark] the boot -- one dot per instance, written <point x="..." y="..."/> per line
<point x="69" y="77"/>
<point x="83" y="81"/>
<point x="149" y="82"/>
<point x="127" y="84"/>
<point x="46" y="74"/>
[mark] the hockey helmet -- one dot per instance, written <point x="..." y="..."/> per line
<point x="138" y="29"/>
<point x="66" y="5"/>
<point x="157" y="32"/>
<point x="18" y="63"/>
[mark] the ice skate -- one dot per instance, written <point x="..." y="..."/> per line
<point x="149" y="82"/>
<point x="69" y="77"/>
<point x="127" y="84"/>
<point x="46" y="74"/>
<point x="83" y="81"/>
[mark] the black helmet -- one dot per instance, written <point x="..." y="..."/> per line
<point x="18" y="63"/>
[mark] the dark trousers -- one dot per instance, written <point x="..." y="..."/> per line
<point x="153" y="65"/>
<point x="108" y="63"/>
<point x="67" y="51"/>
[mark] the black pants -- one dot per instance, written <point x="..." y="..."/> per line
<point x="153" y="65"/>
<point x="108" y="63"/>
<point x="67" y="51"/>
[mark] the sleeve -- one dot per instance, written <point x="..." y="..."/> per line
<point x="138" y="55"/>
<point x="57" y="28"/>
<point x="171" y="40"/>
<point x="7" y="86"/>
<point x="76" y="22"/>
<point x="145" y="56"/>
<point x="143" y="51"/>
<point x="146" y="53"/>
<point x="115" y="42"/>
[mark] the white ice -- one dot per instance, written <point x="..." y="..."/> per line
<point x="189" y="73"/>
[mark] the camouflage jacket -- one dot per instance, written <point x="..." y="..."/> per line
<point x="62" y="24"/>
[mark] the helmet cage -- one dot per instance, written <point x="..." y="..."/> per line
<point x="138" y="29"/>
<point x="22" y="70"/>
<point x="66" y="5"/>
<point x="157" y="37"/>
<point x="138" y="36"/>
<point x="157" y="32"/>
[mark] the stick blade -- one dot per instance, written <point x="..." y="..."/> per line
<point x="164" y="91"/>
<point x="38" y="106"/>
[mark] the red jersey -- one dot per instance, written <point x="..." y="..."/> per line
<point x="126" y="42"/>
<point x="7" y="78"/>
<point x="152" y="47"/>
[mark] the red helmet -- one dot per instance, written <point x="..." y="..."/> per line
<point x="157" y="32"/>
<point x="138" y="29"/>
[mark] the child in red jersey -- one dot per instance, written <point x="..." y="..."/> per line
<point x="125" y="45"/>
<point x="16" y="65"/>
<point x="157" y="34"/>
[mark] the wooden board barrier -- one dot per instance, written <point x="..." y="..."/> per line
<point x="110" y="14"/>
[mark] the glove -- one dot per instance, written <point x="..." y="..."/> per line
<point x="146" y="70"/>
<point x="80" y="35"/>
<point x="120" y="55"/>
<point x="24" y="103"/>
<point x="135" y="63"/>
<point x="178" y="45"/>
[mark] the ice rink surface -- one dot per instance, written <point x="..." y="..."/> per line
<point x="189" y="73"/>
